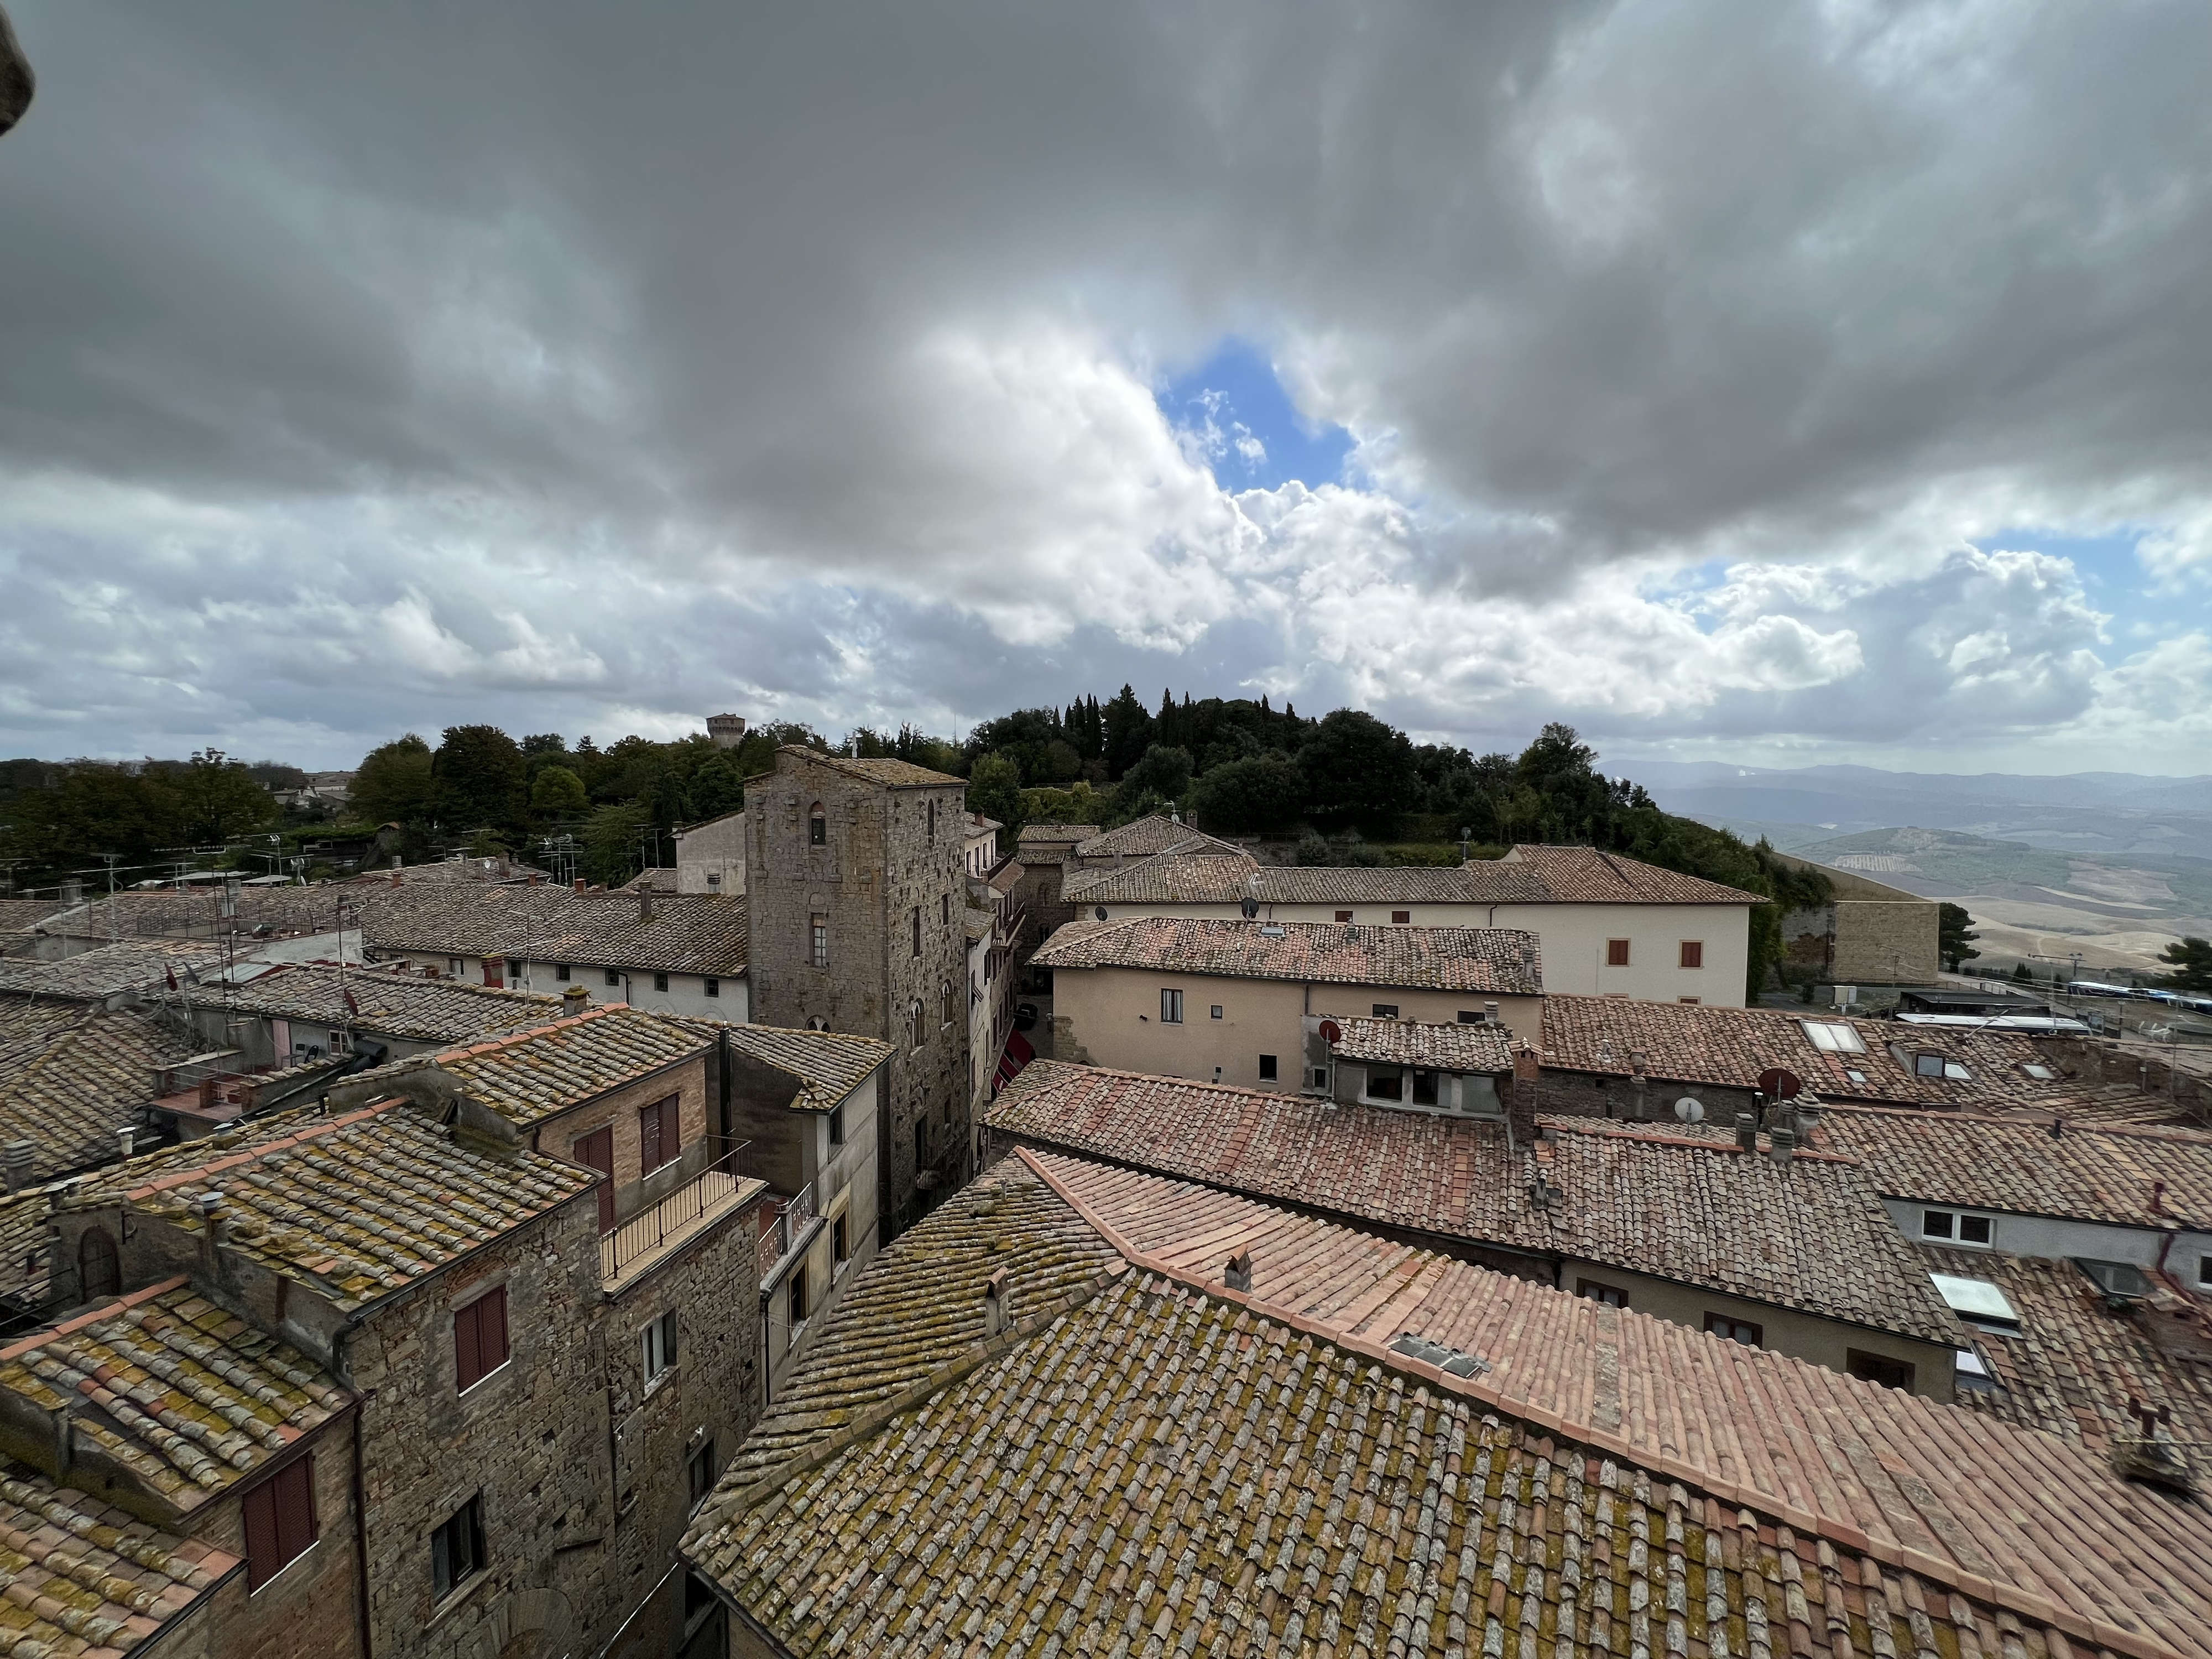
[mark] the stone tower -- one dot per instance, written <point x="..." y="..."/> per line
<point x="726" y="731"/>
<point x="857" y="896"/>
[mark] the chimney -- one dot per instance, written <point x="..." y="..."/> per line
<point x="645" y="904"/>
<point x="1642" y="1084"/>
<point x="1237" y="1276"/>
<point x="1781" y="1143"/>
<point x="1521" y="1095"/>
<point x="994" y="1304"/>
<point x="18" y="1159"/>
<point x="215" y="1232"/>
<point x="579" y="884"/>
<point x="395" y="872"/>
<point x="531" y="880"/>
<point x="207" y="1091"/>
<point x="127" y="1138"/>
<point x="574" y="999"/>
<point x="1746" y="1132"/>
<point x="1489" y="1013"/>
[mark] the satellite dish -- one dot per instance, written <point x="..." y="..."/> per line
<point x="1331" y="1032"/>
<point x="1776" y="1084"/>
<point x="1251" y="909"/>
<point x="1690" y="1109"/>
<point x="1099" y="911"/>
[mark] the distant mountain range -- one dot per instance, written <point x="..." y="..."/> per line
<point x="2111" y="864"/>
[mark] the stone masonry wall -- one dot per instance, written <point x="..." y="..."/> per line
<point x="890" y="855"/>
<point x="532" y="1439"/>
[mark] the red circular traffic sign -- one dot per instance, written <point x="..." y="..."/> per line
<point x="1776" y="1084"/>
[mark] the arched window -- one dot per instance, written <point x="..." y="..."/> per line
<point x="818" y="826"/>
<point x="99" y="1273"/>
<point x="816" y="1022"/>
<point x="914" y="1010"/>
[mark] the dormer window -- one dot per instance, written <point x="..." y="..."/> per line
<point x="818" y="826"/>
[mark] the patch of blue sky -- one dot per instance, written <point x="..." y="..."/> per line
<point x="1234" y="406"/>
<point x="1686" y="589"/>
<point x="2112" y="576"/>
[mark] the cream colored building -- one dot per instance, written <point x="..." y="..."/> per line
<point x="1242" y="1003"/>
<point x="1609" y="925"/>
<point x="710" y="857"/>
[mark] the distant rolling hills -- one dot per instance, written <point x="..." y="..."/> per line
<point x="2111" y="864"/>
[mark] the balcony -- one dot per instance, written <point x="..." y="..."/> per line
<point x="784" y="1222"/>
<point x="716" y="1192"/>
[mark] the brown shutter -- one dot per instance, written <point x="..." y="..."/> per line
<point x="596" y="1150"/>
<point x="295" y="1489"/>
<point x="491" y="1329"/>
<point x="468" y="1350"/>
<point x="648" y="1139"/>
<point x="671" y="1127"/>
<point x="262" y="1550"/>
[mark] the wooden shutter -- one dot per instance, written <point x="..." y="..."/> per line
<point x="596" y="1150"/>
<point x="468" y="1351"/>
<point x="280" y="1520"/>
<point x="648" y="1139"/>
<point x="259" y="1506"/>
<point x="671" y="1127"/>
<point x="480" y="1337"/>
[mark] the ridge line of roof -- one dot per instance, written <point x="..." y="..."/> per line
<point x="565" y="1022"/>
<point x="251" y="1154"/>
<point x="1603" y="1130"/>
<point x="2015" y="1598"/>
<point x="107" y="1310"/>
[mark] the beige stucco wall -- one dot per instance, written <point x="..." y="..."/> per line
<point x="1572" y="938"/>
<point x="1801" y="1335"/>
<point x="1111" y="1016"/>
<point x="716" y="847"/>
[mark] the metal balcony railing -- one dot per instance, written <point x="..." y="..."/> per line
<point x="780" y="1235"/>
<point x="647" y="1231"/>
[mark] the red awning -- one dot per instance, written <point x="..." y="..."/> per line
<point x="1018" y="1054"/>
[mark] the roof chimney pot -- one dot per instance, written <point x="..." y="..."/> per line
<point x="1238" y="1275"/>
<point x="994" y="1304"/>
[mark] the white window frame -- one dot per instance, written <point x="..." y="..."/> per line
<point x="1955" y="1222"/>
<point x="1833" y="1037"/>
<point x="1170" y="1006"/>
<point x="657" y="1347"/>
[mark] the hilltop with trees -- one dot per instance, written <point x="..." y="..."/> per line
<point x="1342" y="788"/>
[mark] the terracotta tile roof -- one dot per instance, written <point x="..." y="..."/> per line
<point x="1809" y="1234"/>
<point x="687" y="933"/>
<point x="1701" y="1043"/>
<point x="1143" y="838"/>
<point x="84" y="1579"/>
<point x="72" y="1075"/>
<point x="1500" y="961"/>
<point x="2074" y="1362"/>
<point x="829" y="1065"/>
<point x="134" y="964"/>
<point x="1228" y="878"/>
<point x="1041" y="833"/>
<point x="2087" y="1174"/>
<point x="889" y="773"/>
<point x="922" y="1312"/>
<point x="1149" y="1467"/>
<point x="19" y="919"/>
<point x="477" y="872"/>
<point x="363" y="1205"/>
<point x="529" y="1076"/>
<point x="1415" y="1042"/>
<point x="650" y="881"/>
<point x="1583" y="875"/>
<point x="188" y="1398"/>
<point x="166" y="913"/>
<point x="393" y="1003"/>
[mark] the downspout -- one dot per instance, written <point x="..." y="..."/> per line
<point x="360" y="1503"/>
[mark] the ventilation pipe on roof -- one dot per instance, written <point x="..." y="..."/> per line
<point x="126" y="1138"/>
<point x="1746" y="1132"/>
<point x="1781" y="1143"/>
<point x="995" y="1317"/>
<point x="1489" y="1013"/>
<point x="1238" y="1275"/>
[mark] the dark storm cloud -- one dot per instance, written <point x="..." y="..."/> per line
<point x="625" y="360"/>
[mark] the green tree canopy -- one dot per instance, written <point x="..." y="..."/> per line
<point x="557" y="796"/>
<point x="2191" y="959"/>
<point x="393" y="783"/>
<point x="1165" y="772"/>
<point x="1261" y="795"/>
<point x="1359" y="773"/>
<point x="217" y="798"/>
<point x="478" y="779"/>
<point x="995" y="789"/>
<point x="1954" y="943"/>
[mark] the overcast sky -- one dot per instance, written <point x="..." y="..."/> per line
<point x="1769" y="382"/>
